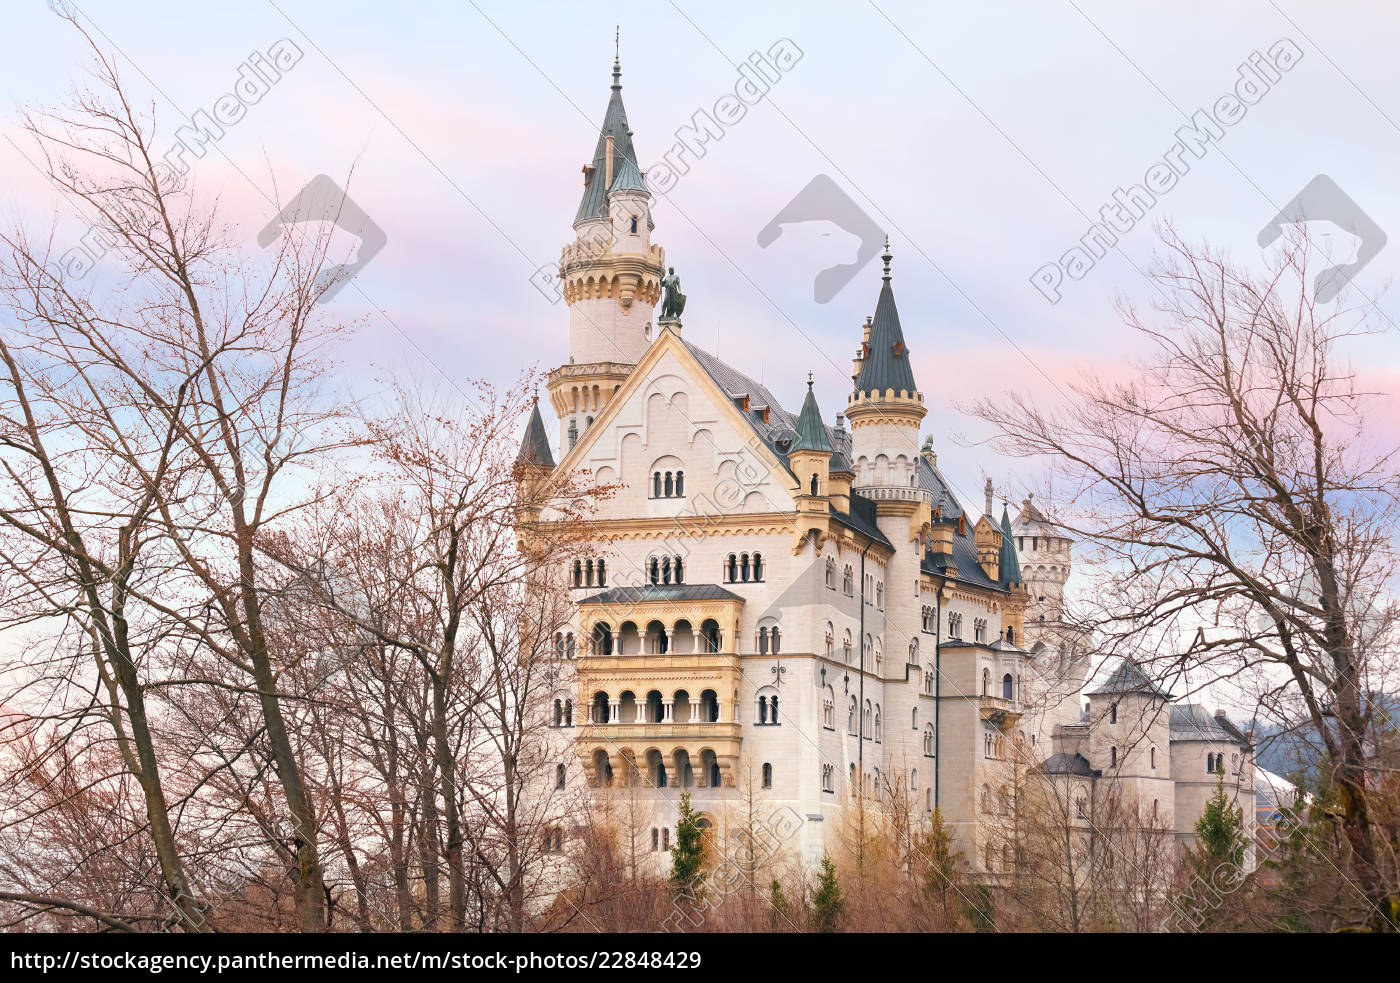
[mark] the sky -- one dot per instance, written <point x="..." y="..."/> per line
<point x="982" y="138"/>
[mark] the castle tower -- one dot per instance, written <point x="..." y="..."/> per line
<point x="611" y="275"/>
<point x="885" y="410"/>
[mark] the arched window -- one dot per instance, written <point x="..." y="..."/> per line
<point x="830" y="573"/>
<point x="670" y="485"/>
<point x="767" y="774"/>
<point x="829" y="639"/>
<point x="814" y="484"/>
<point x="851" y="718"/>
<point x="666" y="570"/>
<point x="568" y="713"/>
<point x="602" y="638"/>
<point x="634" y="225"/>
<point x="656" y="484"/>
<point x="744" y="567"/>
<point x="709" y="634"/>
<point x="558" y="713"/>
<point x="777" y="640"/>
<point x="880" y="596"/>
<point x="763" y="641"/>
<point x="877" y="721"/>
<point x="846" y="645"/>
<point x="558" y="776"/>
<point x="570" y="648"/>
<point x="1011" y="635"/>
<point x="578" y="573"/>
<point x="986" y="682"/>
<point x="1113" y="756"/>
<point x="848" y="581"/>
<point x="1006" y="686"/>
<point x="654" y="570"/>
<point x="680" y="484"/>
<point x="928" y="740"/>
<point x="1113" y="713"/>
<point x="679" y="568"/>
<point x="829" y="709"/>
<point x="913" y="651"/>
<point x="758" y="566"/>
<point x="602" y="573"/>
<point x="588" y="573"/>
<point x="731" y="569"/>
<point x="1152" y="758"/>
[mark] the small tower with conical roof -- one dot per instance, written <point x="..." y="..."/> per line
<point x="534" y="464"/>
<point x="886" y="406"/>
<point x="809" y="456"/>
<point x="611" y="276"/>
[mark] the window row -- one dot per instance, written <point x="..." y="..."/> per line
<point x="870" y="720"/>
<point x="741" y="568"/>
<point x="668" y="484"/>
<point x="666" y="570"/>
<point x="590" y="573"/>
<point x="1009" y="685"/>
<point x="654" y="708"/>
<point x="847" y="578"/>
<point x="873" y="650"/>
<point x="657" y="639"/>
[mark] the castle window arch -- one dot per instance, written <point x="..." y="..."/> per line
<point x="986" y="682"/>
<point x="846" y="646"/>
<point x="830" y="573"/>
<point x="766" y="714"/>
<point x="667" y="478"/>
<point x="634" y="225"/>
<point x="848" y="581"/>
<point x="851" y="717"/>
<point x="1006" y="686"/>
<point x="829" y="709"/>
<point x="767" y="774"/>
<point x="829" y="639"/>
<point x="928" y="740"/>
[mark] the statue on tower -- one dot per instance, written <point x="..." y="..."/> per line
<point x="674" y="301"/>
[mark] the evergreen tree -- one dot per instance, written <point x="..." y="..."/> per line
<point x="1219" y="832"/>
<point x="689" y="852"/>
<point x="779" y="916"/>
<point x="828" y="904"/>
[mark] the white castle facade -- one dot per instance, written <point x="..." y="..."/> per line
<point x="799" y="610"/>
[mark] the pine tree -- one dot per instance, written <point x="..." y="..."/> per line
<point x="689" y="853"/>
<point x="828" y="904"/>
<point x="1219" y="832"/>
<point x="779" y="916"/>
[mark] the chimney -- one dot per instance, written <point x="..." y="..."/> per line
<point x="988" y="490"/>
<point x="608" y="165"/>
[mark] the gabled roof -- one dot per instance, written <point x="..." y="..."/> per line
<point x="1193" y="722"/>
<point x="1008" y="567"/>
<point x="1068" y="764"/>
<point x="1129" y="678"/>
<point x="811" y="432"/>
<point x="886" y="364"/>
<point x="662" y="592"/>
<point x="615" y="126"/>
<point x="534" y="446"/>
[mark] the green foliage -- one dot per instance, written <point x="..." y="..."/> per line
<point x="689" y="853"/>
<point x="828" y="904"/>
<point x="981" y="912"/>
<point x="1220" y="833"/>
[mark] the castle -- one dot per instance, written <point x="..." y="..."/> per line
<point x="782" y="606"/>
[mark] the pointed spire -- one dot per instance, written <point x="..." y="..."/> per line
<point x="534" y="446"/>
<point x="887" y="256"/>
<point x="1008" y="566"/>
<point x="887" y="364"/>
<point x="811" y="432"/>
<point x="617" y="59"/>
<point x="595" y="188"/>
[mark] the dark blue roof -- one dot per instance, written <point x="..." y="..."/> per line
<point x="615" y="126"/>
<point x="886" y="361"/>
<point x="534" y="446"/>
<point x="964" y="546"/>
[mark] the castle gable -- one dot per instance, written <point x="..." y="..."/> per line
<point x="677" y="443"/>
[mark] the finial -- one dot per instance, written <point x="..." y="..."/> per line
<point x="809" y="378"/>
<point x="886" y="256"/>
<point x="537" y="392"/>
<point x="617" y="58"/>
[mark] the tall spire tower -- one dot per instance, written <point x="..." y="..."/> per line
<point x="886" y="406"/>
<point x="611" y="273"/>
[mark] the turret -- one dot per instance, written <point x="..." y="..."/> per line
<point x="840" y="472"/>
<point x="611" y="276"/>
<point x="886" y="409"/>
<point x="534" y="464"/>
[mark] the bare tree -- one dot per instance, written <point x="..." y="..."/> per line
<point x="1240" y="515"/>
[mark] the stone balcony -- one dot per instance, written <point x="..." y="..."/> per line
<point x="999" y="711"/>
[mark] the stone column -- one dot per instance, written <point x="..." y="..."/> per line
<point x="699" y="644"/>
<point x="614" y="710"/>
<point x="695" y="709"/>
<point x="670" y="639"/>
<point x="617" y="643"/>
<point x="667" y="710"/>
